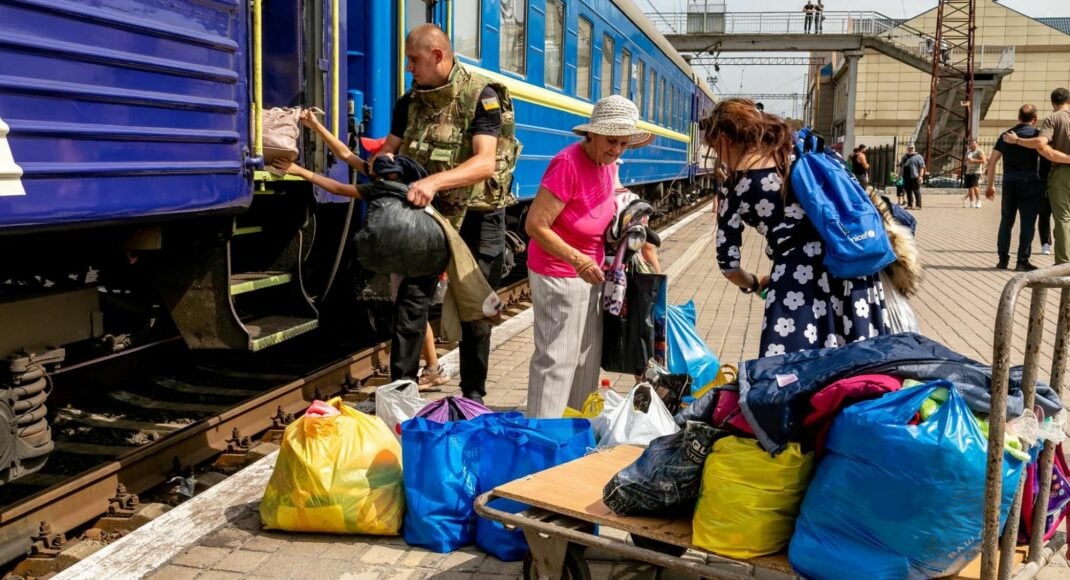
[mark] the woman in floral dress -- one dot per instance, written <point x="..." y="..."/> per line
<point x="805" y="307"/>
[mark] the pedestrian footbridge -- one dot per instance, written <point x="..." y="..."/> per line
<point x="849" y="32"/>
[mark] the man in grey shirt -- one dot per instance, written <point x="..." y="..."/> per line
<point x="1053" y="143"/>
<point x="912" y="170"/>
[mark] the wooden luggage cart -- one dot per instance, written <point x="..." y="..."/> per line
<point x="566" y="501"/>
<point x="566" y="505"/>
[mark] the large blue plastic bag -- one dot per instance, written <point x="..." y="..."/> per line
<point x="687" y="352"/>
<point x="441" y="470"/>
<point x="515" y="448"/>
<point x="893" y="500"/>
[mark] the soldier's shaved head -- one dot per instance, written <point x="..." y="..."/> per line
<point x="429" y="55"/>
<point x="427" y="37"/>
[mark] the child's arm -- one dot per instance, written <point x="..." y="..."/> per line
<point x="340" y="150"/>
<point x="323" y="182"/>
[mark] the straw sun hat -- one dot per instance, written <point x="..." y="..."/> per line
<point x="615" y="116"/>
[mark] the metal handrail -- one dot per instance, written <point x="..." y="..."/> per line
<point x="997" y="555"/>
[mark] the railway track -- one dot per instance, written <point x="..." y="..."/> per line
<point x="114" y="442"/>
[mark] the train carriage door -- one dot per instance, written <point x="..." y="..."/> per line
<point x="297" y="62"/>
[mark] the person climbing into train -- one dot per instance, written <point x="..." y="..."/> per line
<point x="805" y="306"/>
<point x="460" y="126"/>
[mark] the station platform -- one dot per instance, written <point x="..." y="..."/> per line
<point x="217" y="535"/>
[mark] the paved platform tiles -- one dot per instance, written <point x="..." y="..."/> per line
<point x="956" y="306"/>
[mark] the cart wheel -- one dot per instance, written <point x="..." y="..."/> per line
<point x="664" y="548"/>
<point x="574" y="568"/>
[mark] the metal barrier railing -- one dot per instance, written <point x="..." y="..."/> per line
<point x="863" y="22"/>
<point x="995" y="547"/>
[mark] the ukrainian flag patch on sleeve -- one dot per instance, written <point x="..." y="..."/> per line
<point x="490" y="103"/>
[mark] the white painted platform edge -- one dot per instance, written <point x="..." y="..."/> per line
<point x="151" y="546"/>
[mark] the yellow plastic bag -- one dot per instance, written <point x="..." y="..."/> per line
<point x="337" y="474"/>
<point x="749" y="500"/>
<point x="726" y="375"/>
<point x="592" y="407"/>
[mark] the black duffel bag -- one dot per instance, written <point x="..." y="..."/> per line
<point x="628" y="339"/>
<point x="398" y="237"/>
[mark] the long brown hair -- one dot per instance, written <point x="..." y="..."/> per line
<point x="751" y="130"/>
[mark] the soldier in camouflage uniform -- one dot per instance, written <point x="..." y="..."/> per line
<point x="460" y="126"/>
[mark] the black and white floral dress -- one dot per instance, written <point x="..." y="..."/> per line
<point x="805" y="307"/>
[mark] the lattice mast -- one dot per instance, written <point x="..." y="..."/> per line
<point x="951" y="91"/>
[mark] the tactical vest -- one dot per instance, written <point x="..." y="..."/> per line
<point x="437" y="137"/>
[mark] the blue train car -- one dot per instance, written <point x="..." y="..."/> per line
<point x="702" y="161"/>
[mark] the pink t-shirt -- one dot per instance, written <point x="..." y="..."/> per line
<point x="587" y="190"/>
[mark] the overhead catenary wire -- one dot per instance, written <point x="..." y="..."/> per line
<point x="662" y="17"/>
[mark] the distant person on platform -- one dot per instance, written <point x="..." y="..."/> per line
<point x="1044" y="217"/>
<point x="911" y="171"/>
<point x="860" y="166"/>
<point x="1053" y="143"/>
<point x="975" y="166"/>
<point x="1022" y="190"/>
<point x="819" y="16"/>
<point x="809" y="11"/>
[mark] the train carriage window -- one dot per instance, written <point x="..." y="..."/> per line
<point x="676" y="107"/>
<point x="663" y="109"/>
<point x="416" y="13"/>
<point x="555" y="44"/>
<point x="583" y="59"/>
<point x="608" y="53"/>
<point x="672" y="106"/>
<point x="639" y="84"/>
<point x="674" y="118"/>
<point x="466" y="26"/>
<point x="652" y="92"/>
<point x="513" y="50"/>
<point x="626" y="74"/>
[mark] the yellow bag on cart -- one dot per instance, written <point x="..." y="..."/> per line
<point x="338" y="471"/>
<point x="749" y="501"/>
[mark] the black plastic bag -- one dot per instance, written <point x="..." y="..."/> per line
<point x="398" y="237"/>
<point x="666" y="479"/>
<point x="628" y="339"/>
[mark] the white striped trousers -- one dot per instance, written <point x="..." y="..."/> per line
<point x="568" y="344"/>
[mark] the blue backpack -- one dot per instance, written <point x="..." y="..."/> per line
<point x="856" y="243"/>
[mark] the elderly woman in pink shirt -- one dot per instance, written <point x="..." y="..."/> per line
<point x="566" y="223"/>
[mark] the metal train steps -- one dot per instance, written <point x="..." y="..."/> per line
<point x="274" y="329"/>
<point x="240" y="286"/>
<point x="250" y="281"/>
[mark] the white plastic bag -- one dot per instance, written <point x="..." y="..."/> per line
<point x="396" y="403"/>
<point x="900" y="315"/>
<point x="626" y="424"/>
<point x="610" y="401"/>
